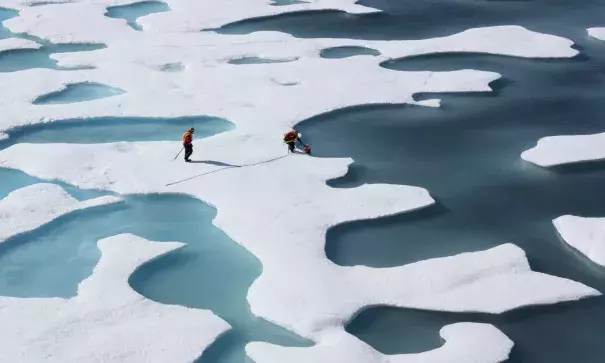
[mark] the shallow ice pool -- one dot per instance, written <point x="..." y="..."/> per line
<point x="115" y="129"/>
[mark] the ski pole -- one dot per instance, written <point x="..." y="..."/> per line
<point x="177" y="155"/>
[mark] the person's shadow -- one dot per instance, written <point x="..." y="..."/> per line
<point x="212" y="162"/>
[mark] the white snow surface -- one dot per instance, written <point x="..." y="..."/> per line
<point x="299" y="287"/>
<point x="464" y="343"/>
<point x="587" y="235"/>
<point x="17" y="43"/>
<point x="598" y="33"/>
<point x="566" y="149"/>
<point x="29" y="208"/>
<point x="107" y="321"/>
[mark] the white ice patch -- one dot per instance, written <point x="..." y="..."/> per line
<point x="598" y="33"/>
<point x="3" y="136"/>
<point x="510" y="40"/>
<point x="28" y="208"/>
<point x="299" y="287"/>
<point x="464" y="343"/>
<point x="567" y="149"/>
<point x="107" y="321"/>
<point x="9" y="44"/>
<point x="587" y="235"/>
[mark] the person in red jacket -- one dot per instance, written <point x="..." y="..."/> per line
<point x="291" y="138"/>
<point x="188" y="143"/>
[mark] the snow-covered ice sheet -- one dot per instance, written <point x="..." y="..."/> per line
<point x="464" y="343"/>
<point x="299" y="287"/>
<point x="566" y="149"/>
<point x="28" y="208"/>
<point x="587" y="235"/>
<point x="17" y="43"/>
<point x="107" y="321"/>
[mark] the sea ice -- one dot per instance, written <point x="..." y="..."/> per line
<point x="464" y="343"/>
<point x="567" y="149"/>
<point x="9" y="44"/>
<point x="598" y="33"/>
<point x="107" y="321"/>
<point x="33" y="206"/>
<point x="587" y="235"/>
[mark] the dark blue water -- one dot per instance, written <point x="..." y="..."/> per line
<point x="287" y="2"/>
<point x="79" y="92"/>
<point x="132" y="12"/>
<point x="347" y="51"/>
<point x="430" y="18"/>
<point x="257" y="60"/>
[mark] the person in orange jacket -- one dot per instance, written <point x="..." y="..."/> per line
<point x="188" y="143"/>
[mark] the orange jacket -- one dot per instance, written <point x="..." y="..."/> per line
<point x="187" y="138"/>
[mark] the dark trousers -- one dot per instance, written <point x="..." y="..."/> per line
<point x="188" y="150"/>
<point x="291" y="146"/>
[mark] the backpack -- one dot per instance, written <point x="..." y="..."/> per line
<point x="290" y="136"/>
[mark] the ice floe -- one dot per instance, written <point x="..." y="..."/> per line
<point x="33" y="206"/>
<point x="464" y="342"/>
<point x="598" y="33"/>
<point x="587" y="235"/>
<point x="566" y="149"/>
<point x="9" y="44"/>
<point x="107" y="321"/>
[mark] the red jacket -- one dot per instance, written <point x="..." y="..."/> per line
<point x="290" y="137"/>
